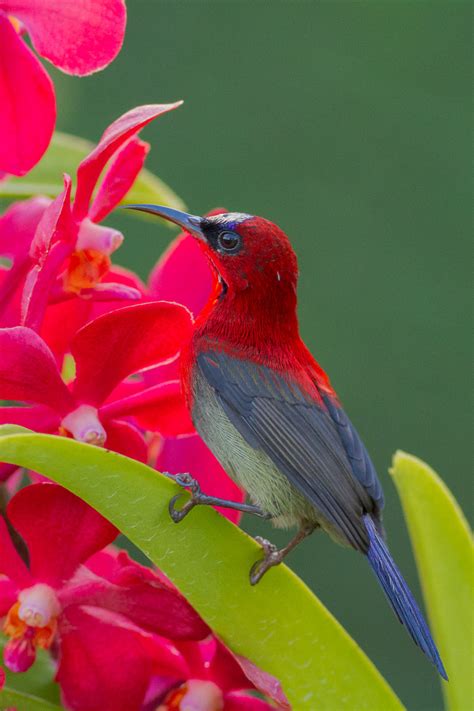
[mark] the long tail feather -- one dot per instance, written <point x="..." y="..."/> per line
<point x="399" y="595"/>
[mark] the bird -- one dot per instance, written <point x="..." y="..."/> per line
<point x="268" y="411"/>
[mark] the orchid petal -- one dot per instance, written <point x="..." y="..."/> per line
<point x="124" y="438"/>
<point x="123" y="342"/>
<point x="119" y="178"/>
<point x="11" y="564"/>
<point x="28" y="105"/>
<point x="11" y="291"/>
<point x="18" y="225"/>
<point x="190" y="454"/>
<point x="102" y="665"/>
<point x="28" y="370"/>
<point x="8" y="594"/>
<point x="145" y="599"/>
<point x="213" y="660"/>
<point x="102" y="239"/>
<point x="61" y="322"/>
<point x="19" y="654"/>
<point x="162" y="373"/>
<point x="138" y="594"/>
<point x="78" y="37"/>
<point x="6" y="471"/>
<point x="183" y="274"/>
<point x="114" y="137"/>
<point x="53" y="241"/>
<point x="37" y="418"/>
<point x="63" y="319"/>
<point x="60" y="530"/>
<point x="161" y="408"/>
<point x="105" y="563"/>
<point x="111" y="292"/>
<point x="55" y="225"/>
<point x="264" y="682"/>
<point x="17" y="228"/>
<point x="237" y="701"/>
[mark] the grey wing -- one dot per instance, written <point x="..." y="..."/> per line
<point x="360" y="461"/>
<point x="299" y="436"/>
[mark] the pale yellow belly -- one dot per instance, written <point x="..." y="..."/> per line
<point x="250" y="468"/>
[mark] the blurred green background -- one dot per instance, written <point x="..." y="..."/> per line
<point x="348" y="124"/>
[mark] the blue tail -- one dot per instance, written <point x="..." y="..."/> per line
<point x="399" y="595"/>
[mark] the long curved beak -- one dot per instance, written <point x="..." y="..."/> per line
<point x="189" y="223"/>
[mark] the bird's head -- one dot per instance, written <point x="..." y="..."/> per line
<point x="246" y="251"/>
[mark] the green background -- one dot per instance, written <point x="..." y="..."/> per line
<point x="348" y="124"/>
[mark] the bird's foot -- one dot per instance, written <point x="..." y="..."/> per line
<point x="198" y="498"/>
<point x="187" y="482"/>
<point x="271" y="556"/>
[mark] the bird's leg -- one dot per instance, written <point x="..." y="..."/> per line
<point x="274" y="556"/>
<point x="198" y="498"/>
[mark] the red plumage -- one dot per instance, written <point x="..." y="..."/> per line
<point x="257" y="319"/>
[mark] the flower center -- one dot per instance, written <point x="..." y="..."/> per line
<point x="194" y="695"/>
<point x="84" y="425"/>
<point x="91" y="259"/>
<point x="85" y="269"/>
<point x="31" y="623"/>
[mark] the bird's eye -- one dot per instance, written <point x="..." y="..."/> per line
<point x="228" y="241"/>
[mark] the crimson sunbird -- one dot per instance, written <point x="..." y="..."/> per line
<point x="268" y="412"/>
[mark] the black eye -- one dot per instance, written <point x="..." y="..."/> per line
<point x="228" y="241"/>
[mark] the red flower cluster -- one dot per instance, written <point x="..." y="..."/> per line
<point x="76" y="362"/>
<point x="78" y="37"/>
<point x="122" y="637"/>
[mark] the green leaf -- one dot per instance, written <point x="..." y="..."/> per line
<point x="443" y="548"/>
<point x="20" y="701"/>
<point x="63" y="156"/>
<point x="278" y="624"/>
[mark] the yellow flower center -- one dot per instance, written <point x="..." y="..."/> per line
<point x="34" y="616"/>
<point x="85" y="269"/>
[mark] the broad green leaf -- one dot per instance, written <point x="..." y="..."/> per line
<point x="38" y="681"/>
<point x="63" y="156"/>
<point x="20" y="701"/>
<point x="278" y="624"/>
<point x="442" y="543"/>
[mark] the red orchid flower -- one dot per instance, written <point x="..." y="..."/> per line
<point x="106" y="351"/>
<point x="216" y="680"/>
<point x="63" y="319"/>
<point x="101" y="615"/>
<point x="61" y="251"/>
<point x="79" y="38"/>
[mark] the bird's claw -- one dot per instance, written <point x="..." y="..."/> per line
<point x="271" y="557"/>
<point x="187" y="482"/>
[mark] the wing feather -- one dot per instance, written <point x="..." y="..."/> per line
<point x="310" y="443"/>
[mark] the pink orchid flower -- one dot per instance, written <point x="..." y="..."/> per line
<point x="215" y="680"/>
<point x="107" y="620"/>
<point x="79" y="38"/>
<point x="58" y="250"/>
<point x="106" y="351"/>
